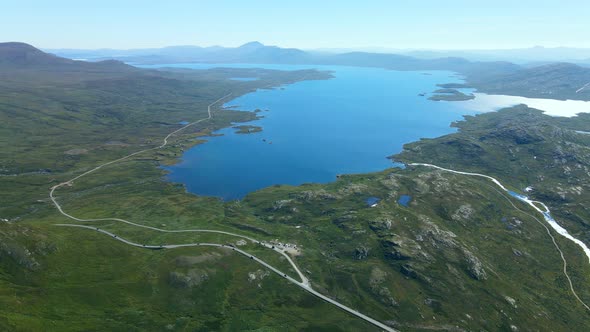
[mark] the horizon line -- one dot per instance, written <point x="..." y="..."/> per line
<point x="384" y="48"/>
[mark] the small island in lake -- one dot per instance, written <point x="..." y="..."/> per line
<point x="247" y="129"/>
<point x="450" y="94"/>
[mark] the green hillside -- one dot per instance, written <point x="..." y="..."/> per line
<point x="460" y="256"/>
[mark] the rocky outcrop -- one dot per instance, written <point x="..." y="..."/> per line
<point x="377" y="284"/>
<point x="278" y="205"/>
<point x="436" y="236"/>
<point x="190" y="279"/>
<point x="474" y="266"/>
<point x="361" y="253"/>
<point x="391" y="182"/>
<point x="463" y="213"/>
<point x="381" y="224"/>
<point x="399" y="248"/>
<point x="353" y="188"/>
<point x="257" y="276"/>
<point x="408" y="271"/>
<point x="316" y="195"/>
<point x="348" y="221"/>
<point x="20" y="254"/>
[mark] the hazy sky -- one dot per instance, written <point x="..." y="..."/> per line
<point x="447" y="24"/>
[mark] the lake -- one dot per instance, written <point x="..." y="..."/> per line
<point x="565" y="108"/>
<point x="404" y="200"/>
<point x="315" y="130"/>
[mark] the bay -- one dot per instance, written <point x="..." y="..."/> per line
<point x="316" y="130"/>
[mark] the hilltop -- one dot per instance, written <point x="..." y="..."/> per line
<point x="21" y="54"/>
<point x="25" y="67"/>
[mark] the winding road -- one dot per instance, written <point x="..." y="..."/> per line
<point x="304" y="283"/>
<point x="300" y="284"/>
<point x="535" y="205"/>
<point x="583" y="88"/>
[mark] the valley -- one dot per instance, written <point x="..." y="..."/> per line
<point x="141" y="253"/>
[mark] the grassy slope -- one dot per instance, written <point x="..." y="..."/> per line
<point x="415" y="272"/>
<point x="522" y="147"/>
<point x="93" y="283"/>
<point x="63" y="279"/>
<point x="335" y="224"/>
<point x="555" y="81"/>
<point x="457" y="256"/>
<point x="55" y="124"/>
<point x="427" y="270"/>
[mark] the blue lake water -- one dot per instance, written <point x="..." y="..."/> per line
<point x="371" y="201"/>
<point x="404" y="200"/>
<point x="315" y="130"/>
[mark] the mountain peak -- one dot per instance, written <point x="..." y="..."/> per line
<point x="21" y="55"/>
<point x="17" y="46"/>
<point x="253" y="44"/>
<point x="24" y="54"/>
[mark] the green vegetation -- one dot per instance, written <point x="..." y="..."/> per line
<point x="58" y="122"/>
<point x="522" y="147"/>
<point x="456" y="256"/>
<point x="448" y="94"/>
<point x="56" y="118"/>
<point x="452" y="85"/>
<point x="460" y="256"/>
<point x="556" y="81"/>
<point x="247" y="129"/>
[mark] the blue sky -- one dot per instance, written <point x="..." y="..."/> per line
<point x="448" y="24"/>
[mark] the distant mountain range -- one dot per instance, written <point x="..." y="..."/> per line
<point x="525" y="56"/>
<point x="251" y="52"/>
<point x="532" y="55"/>
<point x="255" y="52"/>
<point x="554" y="80"/>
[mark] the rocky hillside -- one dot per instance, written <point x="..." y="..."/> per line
<point x="555" y="81"/>
<point x="523" y="147"/>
